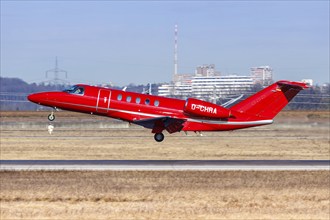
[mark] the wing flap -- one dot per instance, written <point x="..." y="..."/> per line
<point x="159" y="124"/>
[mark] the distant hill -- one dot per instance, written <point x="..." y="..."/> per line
<point x="13" y="93"/>
<point x="19" y="86"/>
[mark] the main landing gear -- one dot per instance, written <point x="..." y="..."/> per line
<point x="159" y="137"/>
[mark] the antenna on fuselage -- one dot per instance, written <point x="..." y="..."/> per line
<point x="148" y="91"/>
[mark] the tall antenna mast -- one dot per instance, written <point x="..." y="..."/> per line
<point x="175" y="51"/>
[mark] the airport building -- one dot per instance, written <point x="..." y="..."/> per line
<point x="262" y="75"/>
<point x="213" y="86"/>
<point x="206" y="84"/>
<point x="206" y="70"/>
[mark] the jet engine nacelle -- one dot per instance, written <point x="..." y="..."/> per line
<point x="205" y="109"/>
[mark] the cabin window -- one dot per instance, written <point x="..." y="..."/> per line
<point x="147" y="102"/>
<point x="156" y="103"/>
<point x="138" y="100"/>
<point x="119" y="97"/>
<point x="128" y="99"/>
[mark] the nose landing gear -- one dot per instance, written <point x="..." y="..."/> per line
<point x="51" y="116"/>
<point x="159" y="137"/>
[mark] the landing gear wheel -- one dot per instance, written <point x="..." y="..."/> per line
<point x="159" y="137"/>
<point x="51" y="117"/>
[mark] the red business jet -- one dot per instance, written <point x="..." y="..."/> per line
<point x="173" y="115"/>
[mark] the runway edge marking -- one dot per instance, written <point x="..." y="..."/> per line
<point x="164" y="165"/>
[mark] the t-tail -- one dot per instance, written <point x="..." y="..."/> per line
<point x="270" y="101"/>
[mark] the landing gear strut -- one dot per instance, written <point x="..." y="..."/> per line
<point x="159" y="137"/>
<point x="51" y="116"/>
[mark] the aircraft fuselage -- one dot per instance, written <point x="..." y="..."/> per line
<point x="174" y="115"/>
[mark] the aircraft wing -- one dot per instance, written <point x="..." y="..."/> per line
<point x="162" y="123"/>
<point x="226" y="104"/>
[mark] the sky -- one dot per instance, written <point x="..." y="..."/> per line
<point x="125" y="42"/>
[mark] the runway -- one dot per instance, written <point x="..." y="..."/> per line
<point x="164" y="165"/>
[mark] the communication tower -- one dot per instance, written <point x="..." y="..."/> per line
<point x="56" y="72"/>
<point x="175" y="52"/>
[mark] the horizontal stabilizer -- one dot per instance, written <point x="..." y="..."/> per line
<point x="298" y="85"/>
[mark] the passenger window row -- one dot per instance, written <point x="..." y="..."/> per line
<point x="137" y="100"/>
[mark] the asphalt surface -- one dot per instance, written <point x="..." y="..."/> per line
<point x="164" y="165"/>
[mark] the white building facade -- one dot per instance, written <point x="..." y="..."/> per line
<point x="206" y="87"/>
<point x="208" y="84"/>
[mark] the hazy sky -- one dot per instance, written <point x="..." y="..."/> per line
<point x="133" y="42"/>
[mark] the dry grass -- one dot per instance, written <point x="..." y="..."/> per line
<point x="283" y="143"/>
<point x="165" y="195"/>
<point x="137" y="144"/>
<point x="296" y="135"/>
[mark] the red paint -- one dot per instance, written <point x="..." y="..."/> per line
<point x="160" y="113"/>
<point x="199" y="108"/>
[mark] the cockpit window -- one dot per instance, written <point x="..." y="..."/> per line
<point x="79" y="90"/>
<point x="70" y="90"/>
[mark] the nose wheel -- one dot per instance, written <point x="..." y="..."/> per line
<point x="159" y="137"/>
<point x="51" y="116"/>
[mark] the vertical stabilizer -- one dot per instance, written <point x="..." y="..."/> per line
<point x="270" y="101"/>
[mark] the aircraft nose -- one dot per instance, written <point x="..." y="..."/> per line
<point x="36" y="98"/>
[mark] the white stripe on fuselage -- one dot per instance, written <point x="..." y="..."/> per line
<point x="257" y="122"/>
<point x="137" y="113"/>
<point x="215" y="122"/>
